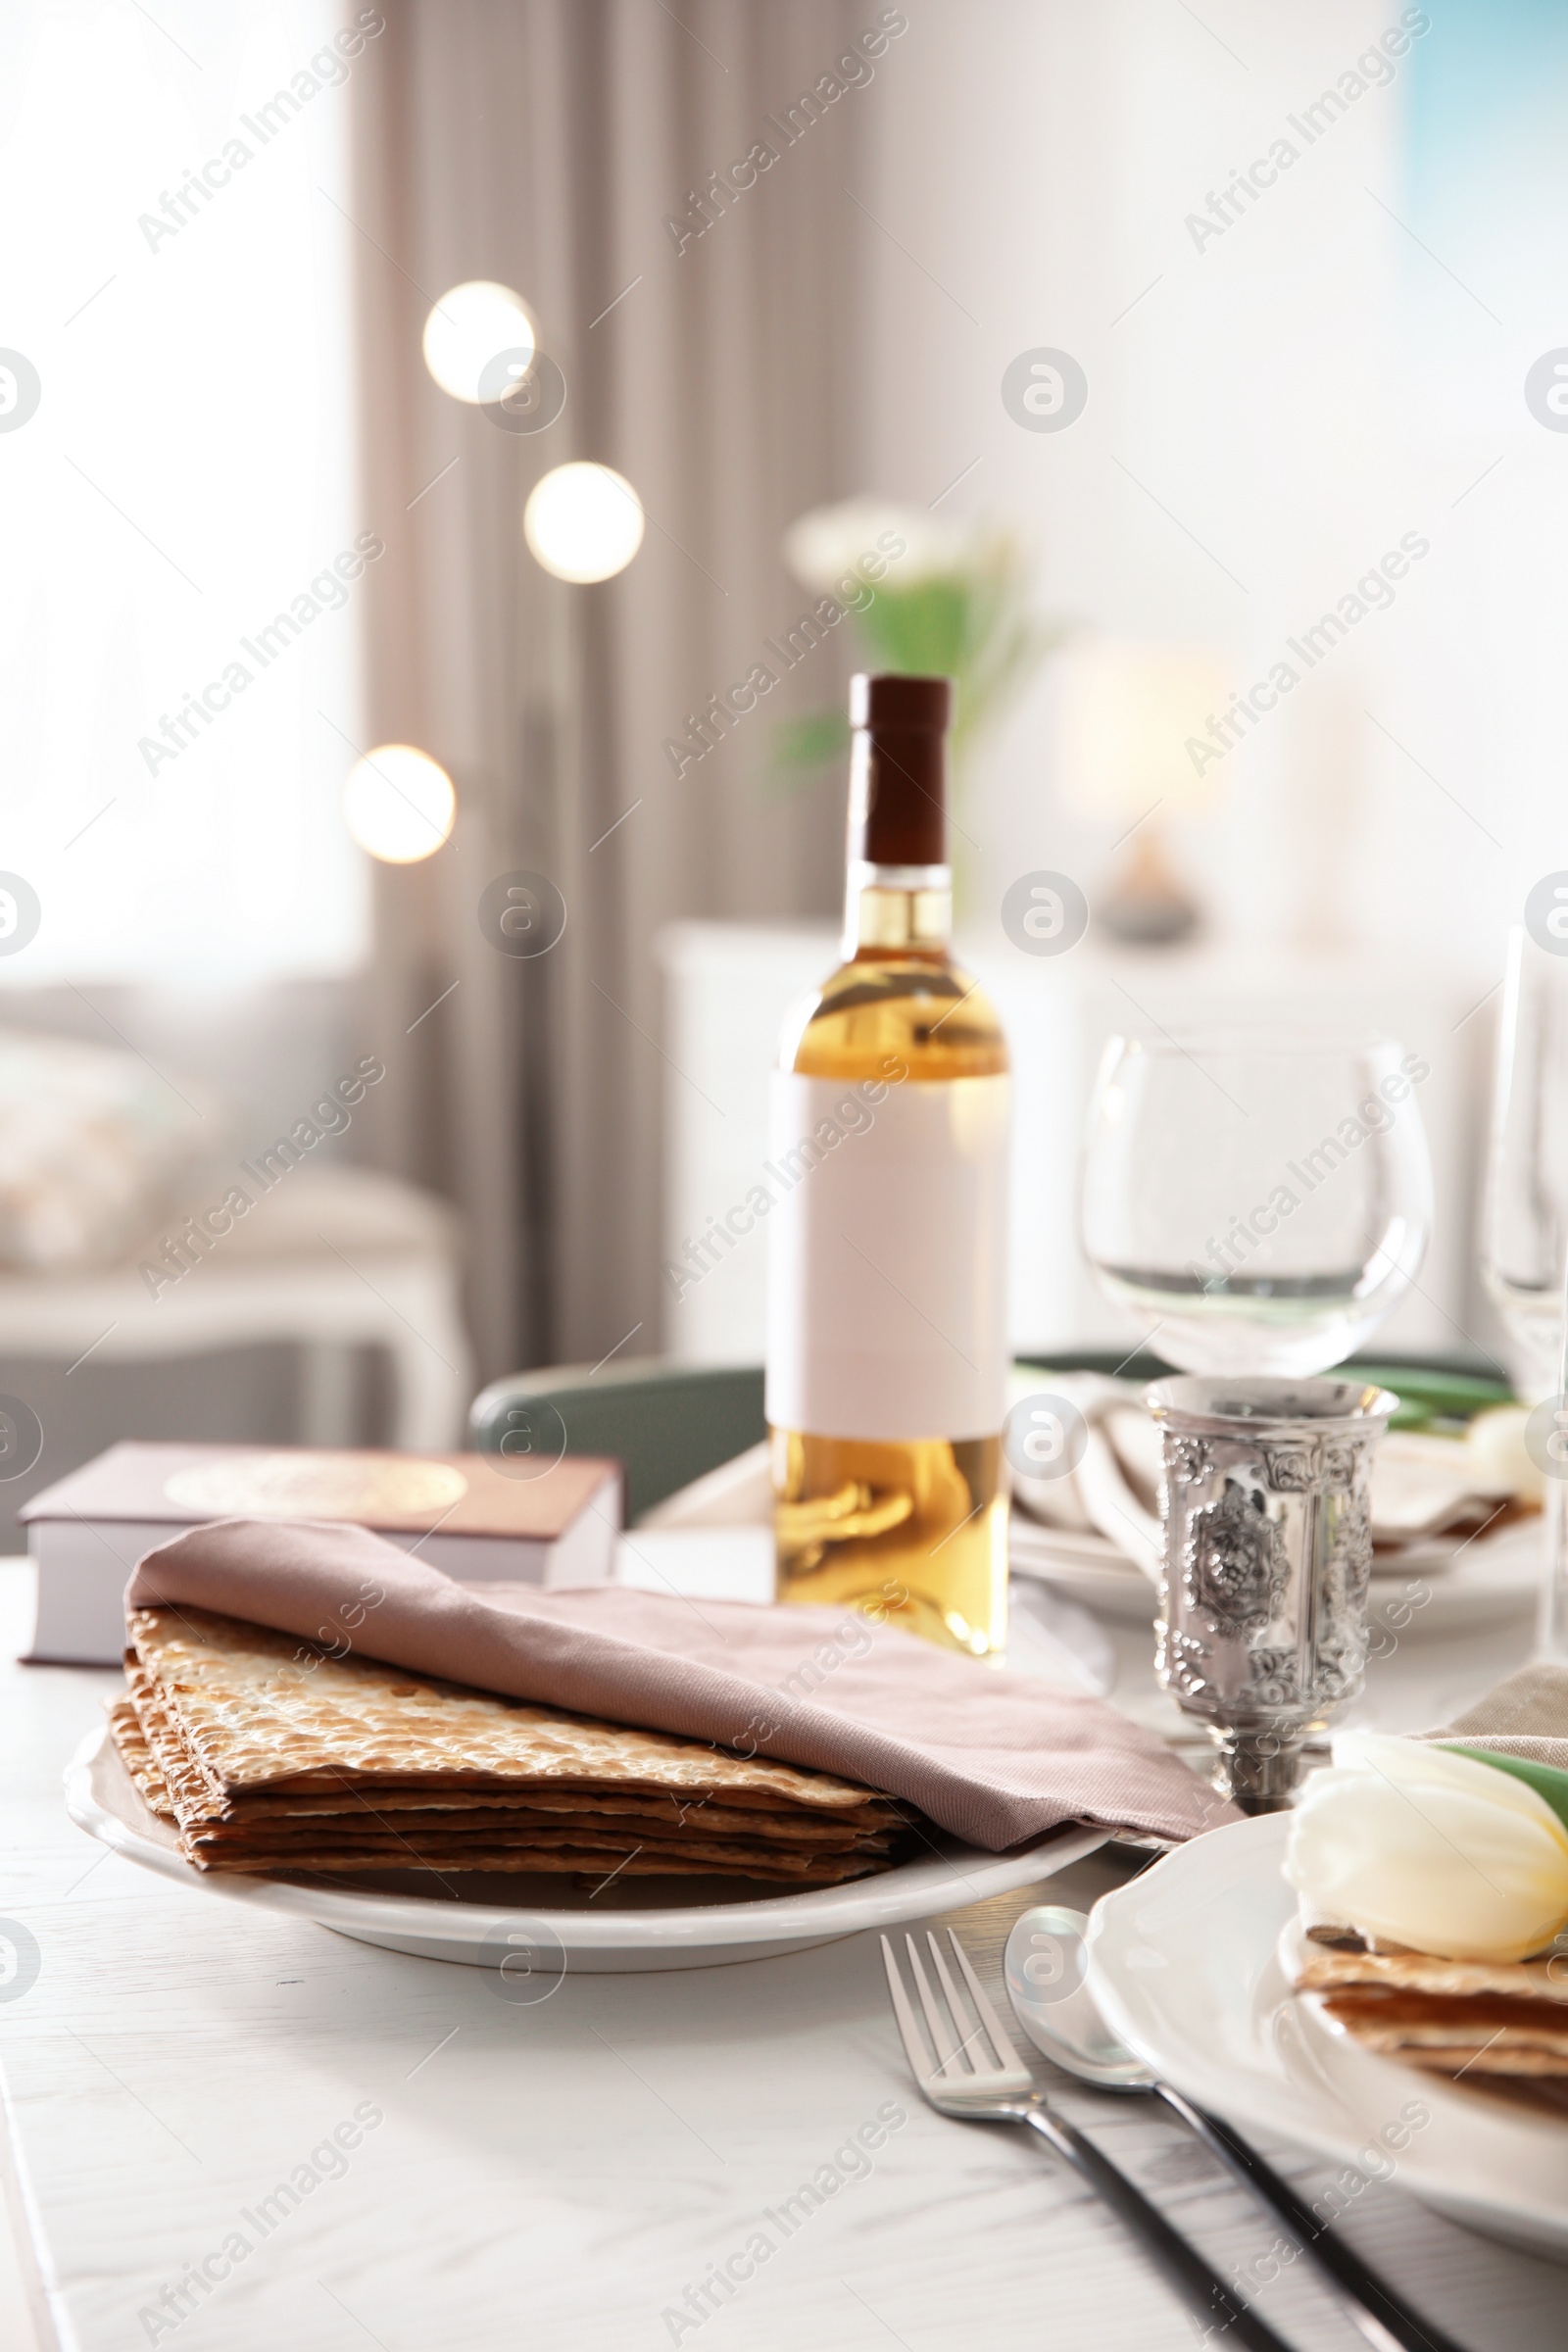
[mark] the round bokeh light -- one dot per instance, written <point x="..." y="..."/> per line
<point x="466" y="330"/>
<point x="584" y="521"/>
<point x="399" y="803"/>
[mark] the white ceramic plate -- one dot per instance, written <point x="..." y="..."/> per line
<point x="1187" y="1966"/>
<point x="537" y="1928"/>
<point x="1438" y="1588"/>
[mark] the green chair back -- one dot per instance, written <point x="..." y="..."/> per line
<point x="666" y="1424"/>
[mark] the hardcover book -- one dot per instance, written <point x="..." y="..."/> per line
<point x="476" y="1517"/>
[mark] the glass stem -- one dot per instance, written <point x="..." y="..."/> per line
<point x="1552" y="1631"/>
<point x="1552" y="1637"/>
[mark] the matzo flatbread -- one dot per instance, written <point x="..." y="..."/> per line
<point x="1453" y="2017"/>
<point x="1543" y="1980"/>
<point x="1484" y="2034"/>
<point x="252" y="1714"/>
<point x="290" y="1803"/>
<point x="583" y="1864"/>
<point x="562" y="1852"/>
<point x="270" y="1757"/>
<point x="192" y="1794"/>
<point x="365" y="1819"/>
<point x="138" y="1759"/>
<point x="518" y="1819"/>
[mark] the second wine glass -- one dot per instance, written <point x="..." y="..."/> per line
<point x="1260" y="1201"/>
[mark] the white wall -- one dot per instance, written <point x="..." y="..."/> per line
<point x="1297" y="394"/>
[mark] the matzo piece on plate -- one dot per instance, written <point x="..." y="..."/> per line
<point x="1449" y="2016"/>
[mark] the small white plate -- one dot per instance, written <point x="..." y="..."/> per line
<point x="1186" y="1964"/>
<point x="1086" y="1567"/>
<point x="1440" y="1587"/>
<point x="537" y="1928"/>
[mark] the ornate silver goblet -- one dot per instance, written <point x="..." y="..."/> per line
<point x="1268" y="1548"/>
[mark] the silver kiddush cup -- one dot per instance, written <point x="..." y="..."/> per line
<point x="1268" y="1547"/>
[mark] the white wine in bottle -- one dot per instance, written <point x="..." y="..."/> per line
<point x="886" y="1249"/>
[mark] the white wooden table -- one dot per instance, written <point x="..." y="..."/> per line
<point x="553" y="2178"/>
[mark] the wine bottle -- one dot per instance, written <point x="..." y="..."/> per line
<point x="887" y="1248"/>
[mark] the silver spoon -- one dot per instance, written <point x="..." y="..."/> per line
<point x="1047" y="1972"/>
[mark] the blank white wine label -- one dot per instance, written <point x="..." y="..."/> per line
<point x="887" y="1258"/>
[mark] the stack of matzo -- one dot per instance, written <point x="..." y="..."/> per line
<point x="268" y="1756"/>
<point x="1451" y="2017"/>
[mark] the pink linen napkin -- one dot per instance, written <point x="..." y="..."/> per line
<point x="992" y="1756"/>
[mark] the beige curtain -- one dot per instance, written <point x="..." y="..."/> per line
<point x="544" y="143"/>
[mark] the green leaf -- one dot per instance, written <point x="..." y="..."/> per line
<point x="811" y="741"/>
<point x="1547" y="1780"/>
<point x="972" y="625"/>
<point x="1428" y="1399"/>
<point x="925" y="631"/>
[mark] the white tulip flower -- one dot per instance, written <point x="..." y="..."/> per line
<point x="1419" y="1846"/>
<point x="1496" y="1455"/>
<point x="823" y="547"/>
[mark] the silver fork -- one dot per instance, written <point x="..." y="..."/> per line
<point x="962" y="2080"/>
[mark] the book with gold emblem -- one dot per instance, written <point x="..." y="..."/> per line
<point x="481" y="1518"/>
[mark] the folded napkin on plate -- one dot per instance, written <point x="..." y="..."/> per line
<point x="1525" y="1716"/>
<point x="987" y="1755"/>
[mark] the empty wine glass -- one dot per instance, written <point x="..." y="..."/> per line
<point x="1524" y="1238"/>
<point x="1524" y="1232"/>
<point x="1260" y="1201"/>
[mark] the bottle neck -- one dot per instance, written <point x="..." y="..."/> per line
<point x="899" y="891"/>
<point x="894" y="909"/>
